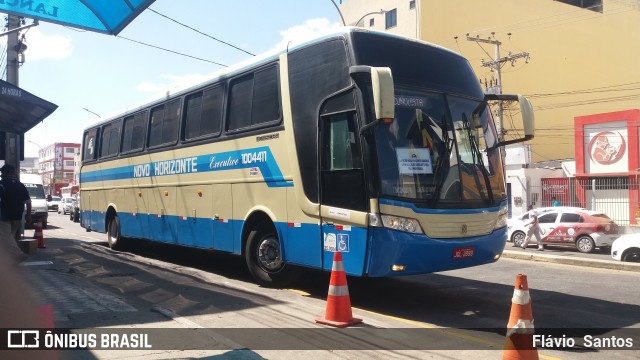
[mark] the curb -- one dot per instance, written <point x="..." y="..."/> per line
<point x="593" y="263"/>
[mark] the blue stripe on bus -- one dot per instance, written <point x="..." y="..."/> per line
<point x="371" y="251"/>
<point x="439" y="211"/>
<point x="260" y="157"/>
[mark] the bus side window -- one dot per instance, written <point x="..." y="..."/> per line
<point x="254" y="100"/>
<point x="90" y="146"/>
<point x="133" y="133"/>
<point x="203" y="113"/>
<point x="110" y="139"/>
<point x="165" y="123"/>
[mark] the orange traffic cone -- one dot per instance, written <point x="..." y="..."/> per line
<point x="37" y="234"/>
<point x="338" y="312"/>
<point x="519" y="341"/>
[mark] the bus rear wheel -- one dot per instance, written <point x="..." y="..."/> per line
<point x="263" y="256"/>
<point x="116" y="241"/>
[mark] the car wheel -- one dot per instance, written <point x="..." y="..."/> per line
<point x="264" y="257"/>
<point x="585" y="244"/>
<point x="631" y="255"/>
<point x="518" y="238"/>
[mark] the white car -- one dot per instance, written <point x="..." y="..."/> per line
<point x="66" y="205"/>
<point x="516" y="224"/>
<point x="53" y="203"/>
<point x="626" y="248"/>
<point x="583" y="229"/>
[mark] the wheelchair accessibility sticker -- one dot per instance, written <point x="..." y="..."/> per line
<point x="336" y="242"/>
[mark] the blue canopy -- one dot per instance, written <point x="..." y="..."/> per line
<point x="104" y="16"/>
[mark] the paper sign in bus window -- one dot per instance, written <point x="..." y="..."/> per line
<point x="414" y="161"/>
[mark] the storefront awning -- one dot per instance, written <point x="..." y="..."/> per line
<point x="20" y="110"/>
<point x="107" y="17"/>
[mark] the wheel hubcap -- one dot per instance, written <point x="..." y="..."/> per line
<point x="584" y="245"/>
<point x="269" y="254"/>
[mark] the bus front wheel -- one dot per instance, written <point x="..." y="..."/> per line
<point x="264" y="257"/>
<point x="113" y="234"/>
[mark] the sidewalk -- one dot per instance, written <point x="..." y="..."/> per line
<point x="569" y="258"/>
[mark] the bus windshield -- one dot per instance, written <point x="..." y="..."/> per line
<point x="439" y="151"/>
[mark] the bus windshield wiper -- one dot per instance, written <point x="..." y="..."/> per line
<point x="477" y="161"/>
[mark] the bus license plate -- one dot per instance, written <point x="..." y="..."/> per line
<point x="461" y="253"/>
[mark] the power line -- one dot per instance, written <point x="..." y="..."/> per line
<point x="171" y="51"/>
<point x="200" y="32"/>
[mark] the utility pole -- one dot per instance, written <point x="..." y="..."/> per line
<point x="495" y="65"/>
<point x="12" y="141"/>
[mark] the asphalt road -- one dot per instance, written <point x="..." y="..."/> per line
<point x="456" y="314"/>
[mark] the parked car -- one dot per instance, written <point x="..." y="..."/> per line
<point x="580" y="228"/>
<point x="516" y="224"/>
<point x="53" y="203"/>
<point x="626" y="248"/>
<point x="66" y="205"/>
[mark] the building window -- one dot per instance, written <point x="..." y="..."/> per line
<point x="371" y="22"/>
<point x="69" y="163"/>
<point x="69" y="150"/>
<point x="412" y="4"/>
<point x="391" y="19"/>
<point x="593" y="5"/>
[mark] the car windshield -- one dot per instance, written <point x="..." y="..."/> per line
<point x="36" y="191"/>
<point x="439" y="151"/>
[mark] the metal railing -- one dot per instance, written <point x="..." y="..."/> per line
<point x="617" y="197"/>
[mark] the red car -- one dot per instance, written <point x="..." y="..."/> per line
<point x="584" y="229"/>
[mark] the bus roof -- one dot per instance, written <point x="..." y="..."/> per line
<point x="250" y="62"/>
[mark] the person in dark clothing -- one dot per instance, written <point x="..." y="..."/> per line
<point x="13" y="198"/>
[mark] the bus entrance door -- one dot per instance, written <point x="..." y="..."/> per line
<point x="343" y="208"/>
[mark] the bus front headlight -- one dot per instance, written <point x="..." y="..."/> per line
<point x="502" y="218"/>
<point x="402" y="224"/>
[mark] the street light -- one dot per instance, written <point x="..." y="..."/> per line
<point x="381" y="12"/>
<point x="339" y="12"/>
<point x="87" y="110"/>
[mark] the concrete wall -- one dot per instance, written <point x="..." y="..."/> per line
<point x="525" y="187"/>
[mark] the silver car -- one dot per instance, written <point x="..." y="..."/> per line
<point x="66" y="205"/>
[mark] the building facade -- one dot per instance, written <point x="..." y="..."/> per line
<point x="570" y="57"/>
<point x="607" y="162"/>
<point x="57" y="165"/>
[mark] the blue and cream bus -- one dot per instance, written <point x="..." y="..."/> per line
<point x="377" y="146"/>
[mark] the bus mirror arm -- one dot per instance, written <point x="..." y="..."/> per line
<point x="368" y="126"/>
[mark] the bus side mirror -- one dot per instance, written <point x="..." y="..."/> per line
<point x="526" y="111"/>
<point x="383" y="93"/>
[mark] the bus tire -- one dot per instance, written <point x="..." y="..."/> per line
<point x="263" y="256"/>
<point x="116" y="241"/>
